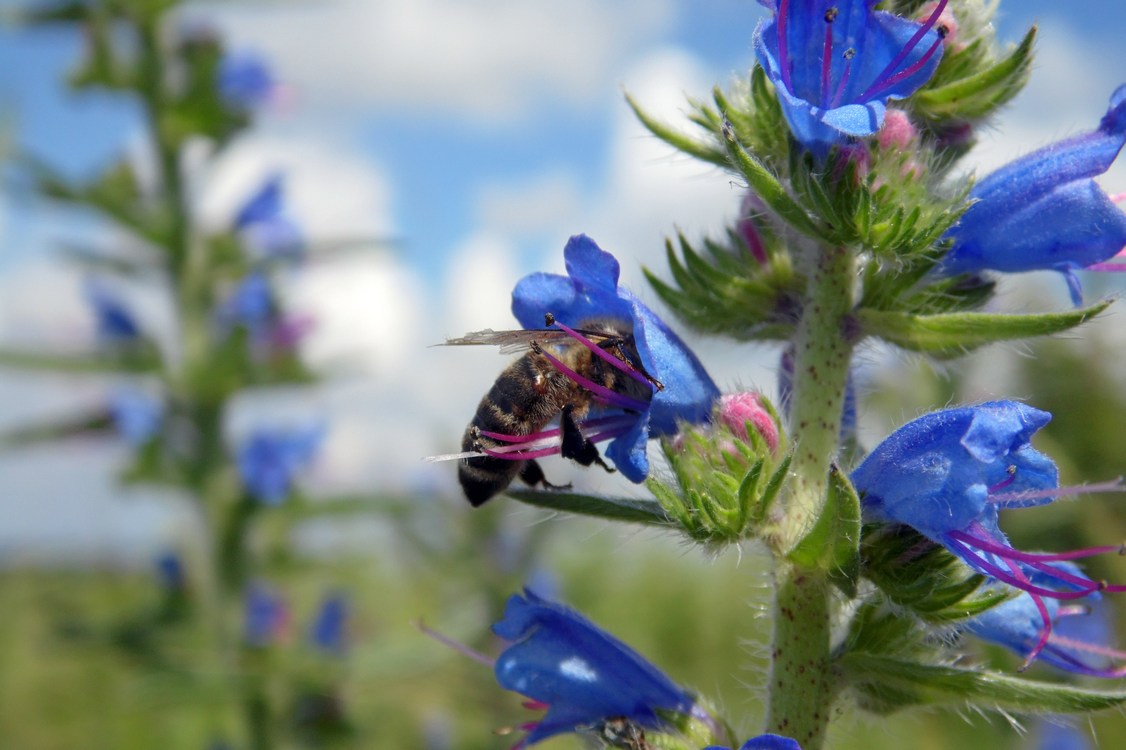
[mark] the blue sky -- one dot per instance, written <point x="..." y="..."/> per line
<point x="478" y="135"/>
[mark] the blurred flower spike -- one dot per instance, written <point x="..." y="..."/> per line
<point x="270" y="459"/>
<point x="946" y="475"/>
<point x="836" y="63"/>
<point x="329" y="632"/>
<point x="580" y="674"/>
<point x="245" y="81"/>
<point x="1077" y="642"/>
<point x="114" y="320"/>
<point x="266" y="616"/>
<point x="269" y="232"/>
<point x="590" y="294"/>
<point x="1044" y="211"/>
<point x="137" y="415"/>
<point x="764" y="742"/>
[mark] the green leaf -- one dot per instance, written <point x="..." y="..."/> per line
<point x="888" y="684"/>
<point x="611" y="508"/>
<point x="981" y="93"/>
<point x="952" y="334"/>
<point x="768" y="188"/>
<point x="833" y="544"/>
<point x="678" y="140"/>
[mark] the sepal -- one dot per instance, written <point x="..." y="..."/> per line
<point x="723" y="289"/>
<point x="967" y="87"/>
<point x="953" y="334"/>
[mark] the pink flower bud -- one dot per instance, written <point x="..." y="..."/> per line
<point x="736" y="410"/>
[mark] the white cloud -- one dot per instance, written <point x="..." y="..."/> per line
<point x="485" y="59"/>
<point x="329" y="192"/>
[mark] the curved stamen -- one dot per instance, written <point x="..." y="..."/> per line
<point x="1045" y="617"/>
<point x="979" y="563"/>
<point x="1006" y="498"/>
<point x="608" y="395"/>
<point x="1012" y="477"/>
<point x="1002" y="550"/>
<point x="846" y="74"/>
<point x="908" y="71"/>
<point x="880" y="81"/>
<point x="827" y="57"/>
<point x="461" y="648"/>
<point x="504" y="437"/>
<point x="605" y="355"/>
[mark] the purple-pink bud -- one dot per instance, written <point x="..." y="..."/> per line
<point x="736" y="410"/>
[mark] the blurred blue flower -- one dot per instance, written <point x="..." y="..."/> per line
<point x="1044" y="211"/>
<point x="115" y="321"/>
<point x="580" y="673"/>
<point x="170" y="571"/>
<point x="244" y="80"/>
<point x="251" y="305"/>
<point x="266" y="616"/>
<point x="764" y="742"/>
<point x="1055" y="735"/>
<point x="836" y="63"/>
<point x="269" y="460"/>
<point x="590" y="293"/>
<point x="1078" y="641"/>
<point x="262" y="219"/>
<point x="136" y="414"/>
<point x="947" y="473"/>
<point x="329" y="631"/>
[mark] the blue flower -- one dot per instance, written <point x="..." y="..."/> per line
<point x="329" y="631"/>
<point x="262" y="220"/>
<point x="764" y="742"/>
<point x="836" y="63"/>
<point x="589" y="293"/>
<point x="1076" y="642"/>
<point x="583" y="675"/>
<point x="251" y="305"/>
<point x="265" y="616"/>
<point x="115" y="321"/>
<point x="947" y="473"/>
<point x="1044" y="211"/>
<point x="244" y="80"/>
<point x="136" y="414"/>
<point x="170" y="571"/>
<point x="269" y="459"/>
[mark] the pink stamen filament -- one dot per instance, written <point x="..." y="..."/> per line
<point x="553" y="432"/>
<point x="827" y="60"/>
<point x="1002" y="550"/>
<point x="783" y="47"/>
<point x="610" y="396"/>
<point x="461" y="648"/>
<point x="886" y="79"/>
<point x="845" y="75"/>
<point x="1005" y="498"/>
<point x="545" y="444"/>
<point x="978" y="562"/>
<point x="1045" y="617"/>
<point x="605" y="355"/>
<point x="1004" y="482"/>
<point x="1058" y="644"/>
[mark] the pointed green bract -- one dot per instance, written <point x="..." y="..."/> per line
<point x="833" y="544"/>
<point x="610" y="508"/>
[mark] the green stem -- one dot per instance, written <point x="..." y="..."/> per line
<point x="801" y="688"/>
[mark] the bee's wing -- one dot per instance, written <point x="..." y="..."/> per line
<point x="513" y="342"/>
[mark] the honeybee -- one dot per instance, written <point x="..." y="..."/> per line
<point x="564" y="374"/>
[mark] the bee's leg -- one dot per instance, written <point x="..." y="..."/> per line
<point x="531" y="474"/>
<point x="577" y="446"/>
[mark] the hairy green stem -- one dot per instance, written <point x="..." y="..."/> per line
<point x="801" y="688"/>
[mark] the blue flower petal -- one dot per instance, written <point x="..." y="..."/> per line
<point x="583" y="674"/>
<point x="1044" y="210"/>
<point x="872" y="60"/>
